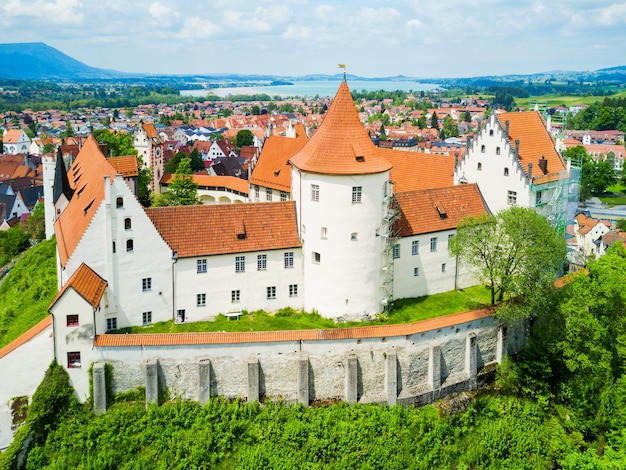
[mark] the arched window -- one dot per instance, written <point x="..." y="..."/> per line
<point x="127" y="223"/>
<point x="119" y="202"/>
<point x="130" y="246"/>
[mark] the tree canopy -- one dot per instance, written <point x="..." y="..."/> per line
<point x="516" y="252"/>
<point x="197" y="164"/>
<point x="182" y="190"/>
<point x="244" y="137"/>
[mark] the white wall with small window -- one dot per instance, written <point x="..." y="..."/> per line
<point x="238" y="281"/>
<point x="490" y="161"/>
<point x="141" y="253"/>
<point x="342" y="254"/>
<point x="422" y="270"/>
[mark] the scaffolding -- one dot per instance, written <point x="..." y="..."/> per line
<point x="561" y="197"/>
<point x="390" y="234"/>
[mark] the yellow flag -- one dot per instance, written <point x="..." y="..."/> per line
<point x="342" y="66"/>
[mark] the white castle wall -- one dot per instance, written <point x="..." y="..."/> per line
<point x="327" y="363"/>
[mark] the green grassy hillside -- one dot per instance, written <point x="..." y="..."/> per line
<point x="26" y="292"/>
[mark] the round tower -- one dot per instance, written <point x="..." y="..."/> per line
<point x="340" y="187"/>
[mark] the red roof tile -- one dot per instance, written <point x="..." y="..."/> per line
<point x="89" y="285"/>
<point x="176" y="339"/>
<point x="341" y="145"/>
<point x="126" y="166"/>
<point x="433" y="210"/>
<point x="535" y="143"/>
<point x="416" y="170"/>
<point x="210" y="181"/>
<point x="227" y="228"/>
<point x="273" y="169"/>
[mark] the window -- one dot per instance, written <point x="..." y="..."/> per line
<point x="396" y="251"/>
<point x="506" y="171"/>
<point x="180" y="315"/>
<point x="539" y="197"/>
<point x="72" y="320"/>
<point x="283" y="196"/>
<point x="324" y="232"/>
<point x="200" y="300"/>
<point x="146" y="284"/>
<point x="289" y="260"/>
<point x="512" y="198"/>
<point x="73" y="360"/>
<point x="491" y="132"/>
<point x="268" y="194"/>
<point x="479" y="167"/>
<point x="201" y="265"/>
<point x="497" y="150"/>
<point x="482" y="149"/>
<point x="146" y="318"/>
<point x="128" y="223"/>
<point x="354" y="236"/>
<point x="443" y="267"/>
<point x="317" y="258"/>
<point x="356" y="194"/>
<point x="256" y="193"/>
<point x="271" y="292"/>
<point x="315" y="192"/>
<point x="450" y="237"/>
<point x="433" y="244"/>
<point x="114" y="247"/>
<point x="111" y="323"/>
<point x="240" y="264"/>
<point x="415" y="247"/>
<point x="130" y="245"/>
<point x="416" y="272"/>
<point x="293" y="290"/>
<point x="235" y="296"/>
<point x="119" y="202"/>
<point x="261" y="262"/>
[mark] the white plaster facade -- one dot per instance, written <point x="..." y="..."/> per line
<point x="342" y="241"/>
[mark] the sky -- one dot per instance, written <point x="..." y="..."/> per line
<point x="417" y="38"/>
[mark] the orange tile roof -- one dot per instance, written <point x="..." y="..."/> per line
<point x="26" y="337"/>
<point x="126" y="166"/>
<point x="433" y="210"/>
<point x="86" y="283"/>
<point x="381" y="331"/>
<point x="535" y="142"/>
<point x="12" y="136"/>
<point x="217" y="229"/>
<point x="86" y="177"/>
<point x="341" y="145"/>
<point x="416" y="170"/>
<point x="209" y="181"/>
<point x="585" y="224"/>
<point x="151" y="131"/>
<point x="273" y="169"/>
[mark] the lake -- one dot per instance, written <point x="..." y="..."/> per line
<point x="313" y="88"/>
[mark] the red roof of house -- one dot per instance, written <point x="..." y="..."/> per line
<point x="204" y="181"/>
<point x="25" y="337"/>
<point x="381" y="331"/>
<point x="434" y="210"/>
<point x="86" y="177"/>
<point x="341" y="145"/>
<point x="273" y="169"/>
<point x="86" y="283"/>
<point x="217" y="229"/>
<point x="535" y="143"/>
<point x="126" y="166"/>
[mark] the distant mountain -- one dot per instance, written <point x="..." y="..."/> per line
<point x="38" y="61"/>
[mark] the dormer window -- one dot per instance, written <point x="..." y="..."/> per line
<point x="360" y="158"/>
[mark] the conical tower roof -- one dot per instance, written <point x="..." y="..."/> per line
<point x="341" y="145"/>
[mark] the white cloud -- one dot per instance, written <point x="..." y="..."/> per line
<point x="297" y="33"/>
<point x="325" y="12"/>
<point x="198" y="28"/>
<point x="57" y="11"/>
<point x="612" y="15"/>
<point x="415" y="24"/>
<point x="159" y="11"/>
<point x="372" y="16"/>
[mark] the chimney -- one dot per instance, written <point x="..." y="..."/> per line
<point x="530" y="171"/>
<point x="506" y="128"/>
<point x="517" y="148"/>
<point x="543" y="165"/>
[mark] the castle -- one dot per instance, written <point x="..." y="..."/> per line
<point x="359" y="226"/>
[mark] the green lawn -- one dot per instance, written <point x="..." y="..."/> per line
<point x="614" y="196"/>
<point x="567" y="101"/>
<point x="404" y="311"/>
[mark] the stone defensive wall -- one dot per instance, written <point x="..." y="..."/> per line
<point x="413" y="363"/>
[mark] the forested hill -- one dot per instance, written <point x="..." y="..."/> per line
<point x="38" y="61"/>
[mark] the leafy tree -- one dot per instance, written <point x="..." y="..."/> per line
<point x="516" y="252"/>
<point x="621" y="225"/>
<point x="244" y="137"/>
<point x="12" y="243"/>
<point x="182" y="190"/>
<point x="144" y="178"/>
<point x="466" y="116"/>
<point x="450" y="128"/>
<point x="382" y="133"/>
<point x="49" y="147"/>
<point x="197" y="164"/>
<point x="37" y="222"/>
<point x="421" y="122"/>
<point x="597" y="175"/>
<point x="434" y="121"/>
<point x="578" y="155"/>
<point x="255" y="110"/>
<point x="119" y="143"/>
<point x="69" y="130"/>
